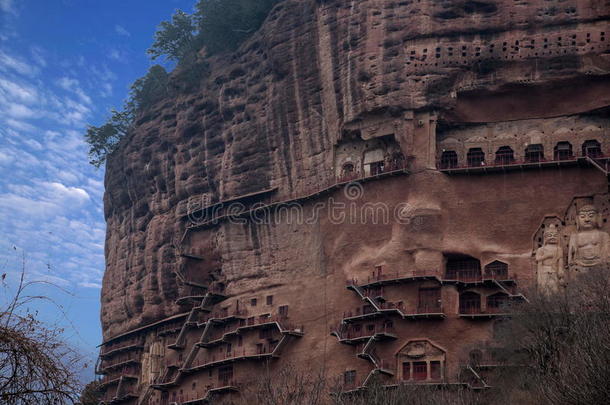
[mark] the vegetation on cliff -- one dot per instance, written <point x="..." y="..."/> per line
<point x="216" y="26"/>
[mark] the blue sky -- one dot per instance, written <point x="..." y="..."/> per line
<point x="63" y="64"/>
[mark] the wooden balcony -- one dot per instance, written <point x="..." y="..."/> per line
<point x="115" y="379"/>
<point x="379" y="279"/>
<point x="204" y="397"/>
<point x="118" y="362"/>
<point x="266" y="352"/>
<point x="167" y="379"/>
<point x="169" y="329"/>
<point x="383" y="309"/>
<point x="600" y="160"/>
<point x="493" y="167"/>
<point x="432" y="311"/>
<point x="474" y="279"/>
<point x="127" y="345"/>
<point x="193" y="295"/>
<point x="220" y="317"/>
<point x="129" y="396"/>
<point x="363" y="313"/>
<point x="488" y="313"/>
<point x="281" y="323"/>
<point x="216" y="215"/>
<point x="348" y="334"/>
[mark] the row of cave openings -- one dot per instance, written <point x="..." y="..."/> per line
<point x="504" y="49"/>
<point x="534" y="153"/>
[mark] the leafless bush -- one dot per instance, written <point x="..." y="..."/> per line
<point x="290" y="386"/>
<point x="285" y="386"/>
<point x="36" y="366"/>
<point x="399" y="394"/>
<point x="560" y="344"/>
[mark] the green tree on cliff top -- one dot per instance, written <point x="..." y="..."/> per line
<point x="224" y="24"/>
<point x="216" y="26"/>
<point x="174" y="39"/>
<point x="144" y="92"/>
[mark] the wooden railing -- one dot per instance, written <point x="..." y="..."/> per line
<point x="476" y="276"/>
<point x="203" y="395"/>
<point x="346" y="332"/>
<point x="112" y="347"/>
<point x="170" y="328"/>
<point x="121" y="359"/>
<point x="505" y="162"/>
<point x="487" y="311"/>
<point x="221" y="314"/>
<point x="266" y="349"/>
<point x="319" y="187"/>
<point x="435" y="308"/>
<point x="360" y="311"/>
<point x="392" y="275"/>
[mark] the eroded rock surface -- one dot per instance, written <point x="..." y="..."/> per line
<point x="335" y="90"/>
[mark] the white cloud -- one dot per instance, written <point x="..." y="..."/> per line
<point x="106" y="89"/>
<point x="11" y="63"/>
<point x="121" y="31"/>
<point x="18" y="111"/>
<point x="18" y="157"/>
<point x="43" y="199"/>
<point x="32" y="143"/>
<point x="67" y="83"/>
<point x="20" y="206"/>
<point x="5" y="158"/>
<point x="50" y="198"/>
<point x="20" y="125"/>
<point x="59" y="192"/>
<point x="49" y="134"/>
<point x="67" y="176"/>
<point x="115" y="54"/>
<point x="8" y="6"/>
<point x="20" y="92"/>
<point x="103" y="73"/>
<point x="38" y="54"/>
<point x="90" y="285"/>
<point x="73" y="85"/>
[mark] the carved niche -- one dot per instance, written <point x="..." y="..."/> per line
<point x="421" y="361"/>
<point x="566" y="247"/>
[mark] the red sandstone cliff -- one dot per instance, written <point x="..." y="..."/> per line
<point x="275" y="121"/>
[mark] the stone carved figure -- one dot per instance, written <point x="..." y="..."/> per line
<point x="589" y="246"/>
<point x="152" y="361"/>
<point x="549" y="260"/>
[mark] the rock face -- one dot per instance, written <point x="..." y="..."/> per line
<point x="471" y="127"/>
